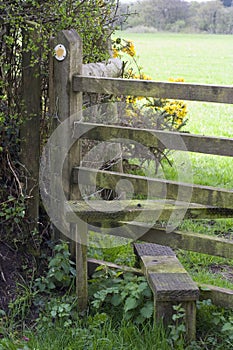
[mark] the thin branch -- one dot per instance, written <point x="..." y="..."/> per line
<point x="15" y="175"/>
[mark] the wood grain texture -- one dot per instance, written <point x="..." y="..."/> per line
<point x="157" y="188"/>
<point x="170" y="283"/>
<point x="30" y="128"/>
<point x="191" y="241"/>
<point x="157" y="138"/>
<point x="222" y="297"/>
<point x="183" y="91"/>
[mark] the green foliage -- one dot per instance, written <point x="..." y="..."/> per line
<point x="177" y="329"/>
<point x="59" y="310"/>
<point x="129" y="292"/>
<point x="214" y="326"/>
<point x="177" y="16"/>
<point x="94" y="21"/>
<point x="61" y="272"/>
<point x="12" y="209"/>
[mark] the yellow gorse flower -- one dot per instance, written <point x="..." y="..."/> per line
<point x="176" y="80"/>
<point x="176" y="107"/>
<point x="115" y="52"/>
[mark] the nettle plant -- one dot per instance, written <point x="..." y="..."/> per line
<point x="61" y="271"/>
<point x="151" y="113"/>
<point x="126" y="293"/>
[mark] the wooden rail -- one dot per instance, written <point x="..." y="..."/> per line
<point x="221" y="146"/>
<point x="134" y="87"/>
<point x="158" y="188"/>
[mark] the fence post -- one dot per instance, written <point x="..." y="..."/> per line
<point x="67" y="61"/>
<point x="30" y="129"/>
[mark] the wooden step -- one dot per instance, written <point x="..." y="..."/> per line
<point x="129" y="210"/>
<point x="170" y="283"/>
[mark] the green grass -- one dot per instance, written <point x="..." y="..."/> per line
<point x="198" y="58"/>
<point x="202" y="59"/>
<point x="92" y="336"/>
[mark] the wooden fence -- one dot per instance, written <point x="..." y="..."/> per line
<point x="68" y="83"/>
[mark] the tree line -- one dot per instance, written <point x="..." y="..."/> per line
<point x="215" y="17"/>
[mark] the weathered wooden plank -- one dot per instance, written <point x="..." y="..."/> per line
<point x="222" y="297"/>
<point x="67" y="108"/>
<point x="111" y="68"/>
<point x="80" y="233"/>
<point x="192" y="241"/>
<point x="157" y="188"/>
<point x="196" y="242"/>
<point x="156" y="138"/>
<point x="30" y="128"/>
<point x="149" y="210"/>
<point x="170" y="283"/>
<point x="184" y="91"/>
<point x="94" y="263"/>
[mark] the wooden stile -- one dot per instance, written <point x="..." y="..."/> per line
<point x="71" y="79"/>
<point x="170" y="284"/>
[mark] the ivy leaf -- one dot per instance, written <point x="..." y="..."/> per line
<point x="147" y="310"/>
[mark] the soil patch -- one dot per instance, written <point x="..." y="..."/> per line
<point x="11" y="272"/>
<point x="225" y="270"/>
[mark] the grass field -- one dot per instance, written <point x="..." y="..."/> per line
<point x="203" y="59"/>
<point x="198" y="58"/>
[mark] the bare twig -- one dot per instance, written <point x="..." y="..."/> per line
<point x="15" y="175"/>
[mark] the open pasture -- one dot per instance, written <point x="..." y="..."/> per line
<point x="197" y="58"/>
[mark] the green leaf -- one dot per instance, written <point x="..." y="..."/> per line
<point x="116" y="300"/>
<point x="147" y="292"/>
<point x="130" y="303"/>
<point x="59" y="275"/>
<point x="53" y="313"/>
<point x="142" y="286"/>
<point x="227" y="327"/>
<point x="51" y="285"/>
<point x="147" y="310"/>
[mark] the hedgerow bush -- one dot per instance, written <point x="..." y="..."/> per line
<point x="94" y="20"/>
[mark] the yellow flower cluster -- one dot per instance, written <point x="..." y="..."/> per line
<point x="177" y="108"/>
<point x="115" y="52"/>
<point x="126" y="47"/>
<point x="173" y="111"/>
<point x="176" y="80"/>
<point x="129" y="48"/>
